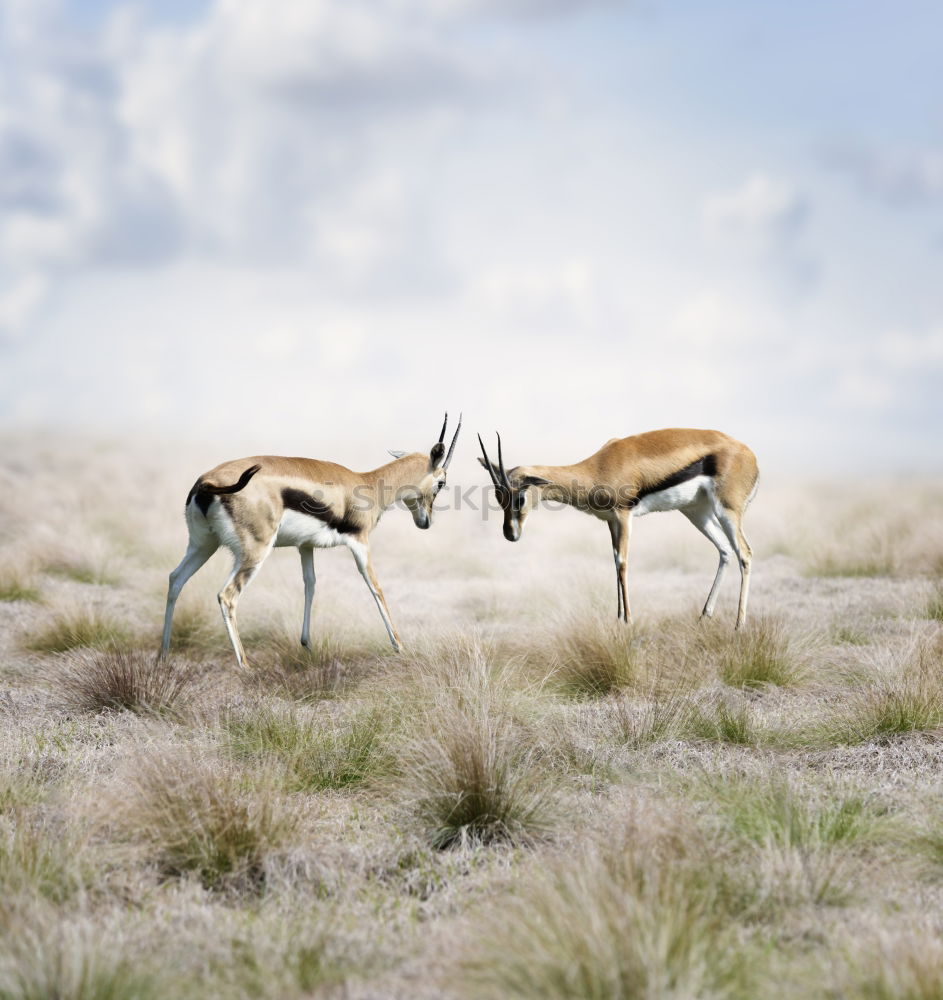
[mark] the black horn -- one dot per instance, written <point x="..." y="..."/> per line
<point x="504" y="475"/>
<point x="448" y="457"/>
<point x="488" y="465"/>
<point x="445" y="424"/>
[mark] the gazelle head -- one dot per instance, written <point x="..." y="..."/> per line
<point x="515" y="492"/>
<point x="420" y="497"/>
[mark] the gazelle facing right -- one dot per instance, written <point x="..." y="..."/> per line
<point x="253" y="505"/>
<point x="708" y="476"/>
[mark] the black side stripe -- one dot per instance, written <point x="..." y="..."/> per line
<point x="304" y="503"/>
<point x="706" y="466"/>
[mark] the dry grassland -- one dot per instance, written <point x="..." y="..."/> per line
<point x="530" y="802"/>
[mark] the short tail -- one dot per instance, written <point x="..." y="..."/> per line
<point x="204" y="492"/>
<point x="240" y="483"/>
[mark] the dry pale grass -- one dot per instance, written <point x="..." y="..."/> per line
<point x="122" y="679"/>
<point x="19" y="584"/>
<point x="465" y="765"/>
<point x="643" y="912"/>
<point x="197" y="816"/>
<point x="326" y="668"/>
<point x="46" y="959"/>
<point x="670" y="810"/>
<point x="907" y="699"/>
<point x="314" y="753"/>
<point x="81" y="626"/>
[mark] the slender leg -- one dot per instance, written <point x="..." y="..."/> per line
<point x="730" y="521"/>
<point x="615" y="531"/>
<point x="194" y="558"/>
<point x="703" y="518"/>
<point x="244" y="569"/>
<point x="621" y="535"/>
<point x="361" y="554"/>
<point x="307" y="571"/>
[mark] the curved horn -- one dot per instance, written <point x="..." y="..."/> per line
<point x="488" y="465"/>
<point x="504" y="475"/>
<point x="444" y="425"/>
<point x="448" y="457"/>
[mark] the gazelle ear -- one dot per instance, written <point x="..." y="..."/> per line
<point x="397" y="454"/>
<point x="436" y="455"/>
<point x="534" y="481"/>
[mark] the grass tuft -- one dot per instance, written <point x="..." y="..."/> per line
<point x="37" y="860"/>
<point x="71" y="963"/>
<point x="472" y="783"/>
<point x="907" y="701"/>
<point x="762" y="654"/>
<point x="654" y="720"/>
<point x="934" y="606"/>
<point x="313" y="754"/>
<point x="82" y="570"/>
<point x="637" y="915"/>
<point x="595" y="658"/>
<point x="19" y="585"/>
<point x="903" y="966"/>
<point x="122" y="679"/>
<point x="723" y="720"/>
<point x="198" y="816"/>
<point x="324" y="669"/>
<point x="76" y="629"/>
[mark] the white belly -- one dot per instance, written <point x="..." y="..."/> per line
<point x="675" y="497"/>
<point x="304" y="529"/>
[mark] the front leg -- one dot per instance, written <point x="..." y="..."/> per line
<point x="621" y="529"/>
<point x="360" y="549"/>
<point x="615" y="533"/>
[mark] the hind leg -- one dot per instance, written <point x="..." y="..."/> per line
<point x="195" y="557"/>
<point x="307" y="572"/>
<point x="731" y="521"/>
<point x="702" y="517"/>
<point x="246" y="565"/>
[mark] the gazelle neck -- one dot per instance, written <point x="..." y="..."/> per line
<point x="389" y="482"/>
<point x="566" y="482"/>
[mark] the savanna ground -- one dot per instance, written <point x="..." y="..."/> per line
<point x="530" y="801"/>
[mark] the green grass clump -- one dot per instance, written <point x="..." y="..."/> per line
<point x="723" y="721"/>
<point x="313" y="754"/>
<point x="38" y="860"/>
<point x="203" y="818"/>
<point x="654" y="720"/>
<point x="19" y="586"/>
<point x="773" y="811"/>
<point x="595" y="658"/>
<point x="18" y="788"/>
<point x="471" y="781"/>
<point x="76" y="629"/>
<point x="122" y="679"/>
<point x="760" y="655"/>
<point x="82" y="570"/>
<point x="934" y="606"/>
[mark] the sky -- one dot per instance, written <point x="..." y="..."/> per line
<point x="311" y="226"/>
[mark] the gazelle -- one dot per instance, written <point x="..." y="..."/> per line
<point x="708" y="476"/>
<point x="252" y="505"/>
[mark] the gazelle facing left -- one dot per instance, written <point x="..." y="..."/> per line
<point x="708" y="476"/>
<point x="252" y="505"/>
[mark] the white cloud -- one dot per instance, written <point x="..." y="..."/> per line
<point x="899" y="177"/>
<point x="764" y="210"/>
